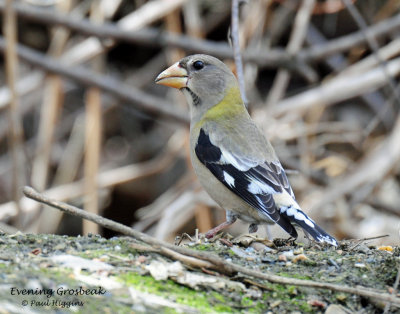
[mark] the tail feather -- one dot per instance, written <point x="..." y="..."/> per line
<point x="285" y="224"/>
<point x="298" y="217"/>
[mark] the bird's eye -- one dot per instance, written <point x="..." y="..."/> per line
<point x="198" y="65"/>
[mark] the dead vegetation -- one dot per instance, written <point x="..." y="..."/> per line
<point x="83" y="122"/>
<point x="250" y="273"/>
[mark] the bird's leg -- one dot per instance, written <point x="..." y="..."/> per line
<point x="307" y="236"/>
<point x="268" y="231"/>
<point x="253" y="228"/>
<point x="230" y="219"/>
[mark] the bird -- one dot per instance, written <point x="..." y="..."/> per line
<point x="234" y="162"/>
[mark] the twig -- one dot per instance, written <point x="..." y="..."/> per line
<point x="344" y="43"/>
<point x="83" y="51"/>
<point x="5" y="228"/>
<point x="188" y="260"/>
<point x="219" y="264"/>
<point x="173" y="24"/>
<point x="395" y="286"/>
<point x="112" y="225"/>
<point x="50" y="107"/>
<point x="297" y="36"/>
<point x="275" y="57"/>
<point x="372" y="42"/>
<point x="359" y="241"/>
<point x="382" y="207"/>
<point x="338" y="61"/>
<point x="143" y="101"/>
<point x="148" y="36"/>
<point x="92" y="155"/>
<point x="66" y="172"/>
<point x="371" y="170"/>
<point x="236" y="49"/>
<point x="15" y="137"/>
<point x="327" y="94"/>
<point x="375" y="238"/>
<point x="107" y="179"/>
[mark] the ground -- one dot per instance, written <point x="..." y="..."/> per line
<point x="50" y="273"/>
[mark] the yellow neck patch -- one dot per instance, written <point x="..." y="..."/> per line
<point x="232" y="104"/>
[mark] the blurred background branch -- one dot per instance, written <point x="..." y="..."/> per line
<point x="82" y="121"/>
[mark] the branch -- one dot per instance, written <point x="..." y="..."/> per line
<point x="236" y="50"/>
<point x="344" y="43"/>
<point x="147" y="36"/>
<point x="143" y="101"/>
<point x="16" y="133"/>
<point x="349" y="86"/>
<point x="296" y="40"/>
<point x="373" y="44"/>
<point x="217" y="263"/>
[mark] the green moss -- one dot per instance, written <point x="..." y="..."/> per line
<point x="246" y="302"/>
<point x="304" y="307"/>
<point x="294" y="275"/>
<point x="202" y="247"/>
<point x="180" y="294"/>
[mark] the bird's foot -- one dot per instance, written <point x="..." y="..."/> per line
<point x="285" y="242"/>
<point x="253" y="228"/>
<point x="211" y="233"/>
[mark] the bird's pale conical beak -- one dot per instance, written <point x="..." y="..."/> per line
<point x="175" y="76"/>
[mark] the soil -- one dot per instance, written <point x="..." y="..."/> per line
<point x="60" y="274"/>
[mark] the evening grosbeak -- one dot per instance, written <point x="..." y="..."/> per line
<point x="234" y="162"/>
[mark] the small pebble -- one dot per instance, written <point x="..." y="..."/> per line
<point x="335" y="309"/>
<point x="275" y="304"/>
<point x="104" y="258"/>
<point x="300" y="257"/>
<point x="288" y="254"/>
<point x="141" y="259"/>
<point x="282" y="258"/>
<point x="359" y="265"/>
<point x="268" y="260"/>
<point x="36" y="251"/>
<point x="249" y="250"/>
<point x="362" y="249"/>
<point x="333" y="263"/>
<point x="268" y="249"/>
<point x="317" y="303"/>
<point x="298" y="251"/>
<point x="341" y="297"/>
<point x="258" y="246"/>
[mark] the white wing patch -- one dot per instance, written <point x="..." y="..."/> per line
<point x="297" y="214"/>
<point x="258" y="187"/>
<point x="228" y="159"/>
<point x="229" y="179"/>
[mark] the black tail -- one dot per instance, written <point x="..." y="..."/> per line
<point x="299" y="218"/>
<point x="285" y="224"/>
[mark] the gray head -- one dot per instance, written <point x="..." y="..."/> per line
<point x="203" y="79"/>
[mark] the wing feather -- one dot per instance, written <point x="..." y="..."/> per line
<point x="255" y="185"/>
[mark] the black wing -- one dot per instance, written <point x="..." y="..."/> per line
<point x="255" y="185"/>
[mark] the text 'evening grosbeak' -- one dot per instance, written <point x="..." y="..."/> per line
<point x="234" y="162"/>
